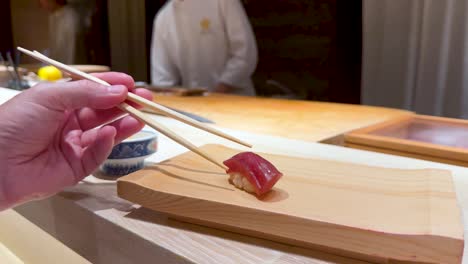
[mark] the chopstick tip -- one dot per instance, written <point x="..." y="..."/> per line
<point x="23" y="50"/>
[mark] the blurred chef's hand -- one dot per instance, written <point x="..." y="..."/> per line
<point x="224" y="88"/>
<point x="51" y="135"/>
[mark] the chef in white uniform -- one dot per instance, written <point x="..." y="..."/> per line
<point x="66" y="32"/>
<point x="204" y="43"/>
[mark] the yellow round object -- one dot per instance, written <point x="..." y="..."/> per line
<point x="50" y="73"/>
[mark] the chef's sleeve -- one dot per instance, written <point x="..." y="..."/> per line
<point x="64" y="40"/>
<point x="243" y="54"/>
<point x="163" y="70"/>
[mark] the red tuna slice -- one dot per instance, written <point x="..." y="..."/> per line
<point x="258" y="171"/>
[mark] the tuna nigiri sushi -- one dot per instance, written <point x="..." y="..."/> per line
<point x="252" y="173"/>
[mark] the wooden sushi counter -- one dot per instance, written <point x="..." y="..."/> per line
<point x="92" y="221"/>
<point x="292" y="119"/>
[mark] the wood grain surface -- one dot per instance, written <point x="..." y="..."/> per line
<point x="424" y="137"/>
<point x="93" y="221"/>
<point x="23" y="242"/>
<point x="407" y="154"/>
<point x="90" y="219"/>
<point x="374" y="214"/>
<point x="293" y="119"/>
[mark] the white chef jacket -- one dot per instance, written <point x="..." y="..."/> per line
<point x="200" y="43"/>
<point x="66" y="42"/>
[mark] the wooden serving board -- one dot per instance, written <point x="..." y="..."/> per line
<point x="375" y="214"/>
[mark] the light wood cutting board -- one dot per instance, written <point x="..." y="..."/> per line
<point x="376" y="214"/>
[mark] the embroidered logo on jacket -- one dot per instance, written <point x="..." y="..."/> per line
<point x="205" y="25"/>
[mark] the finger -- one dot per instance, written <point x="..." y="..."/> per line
<point x="99" y="143"/>
<point x="72" y="150"/>
<point x="145" y="93"/>
<point x="142" y="92"/>
<point x="91" y="118"/>
<point x="117" y="78"/>
<point x="78" y="94"/>
<point x="126" y="127"/>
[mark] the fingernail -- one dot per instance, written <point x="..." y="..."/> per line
<point x="116" y="89"/>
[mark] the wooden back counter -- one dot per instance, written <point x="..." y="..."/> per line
<point x="293" y="119"/>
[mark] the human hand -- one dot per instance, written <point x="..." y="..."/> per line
<point x="50" y="139"/>
<point x="224" y="88"/>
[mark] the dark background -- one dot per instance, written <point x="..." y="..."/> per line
<point x="6" y="37"/>
<point x="308" y="49"/>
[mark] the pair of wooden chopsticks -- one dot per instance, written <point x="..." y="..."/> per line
<point x="150" y="104"/>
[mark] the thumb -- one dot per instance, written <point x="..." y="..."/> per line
<point x="78" y="94"/>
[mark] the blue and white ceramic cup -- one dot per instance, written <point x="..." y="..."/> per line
<point x="129" y="156"/>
